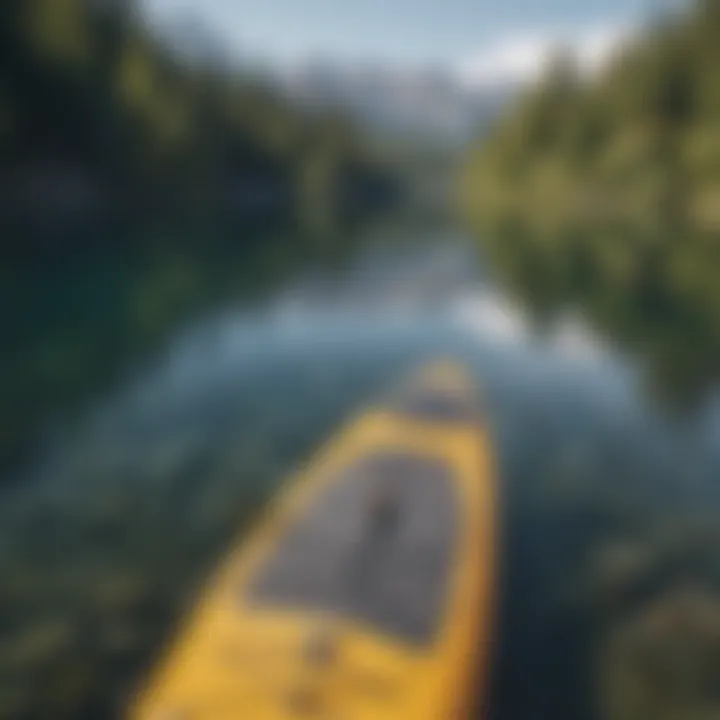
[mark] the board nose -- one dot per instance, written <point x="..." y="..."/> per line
<point x="443" y="391"/>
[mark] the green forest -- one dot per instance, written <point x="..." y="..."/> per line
<point x="638" y="143"/>
<point x="603" y="194"/>
<point x="94" y="103"/>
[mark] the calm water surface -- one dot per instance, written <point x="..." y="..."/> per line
<point x="129" y="497"/>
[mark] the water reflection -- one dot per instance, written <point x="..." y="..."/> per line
<point x="653" y="295"/>
<point x="74" y="324"/>
<point x="609" y="507"/>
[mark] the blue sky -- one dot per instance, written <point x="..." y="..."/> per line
<point x="449" y="32"/>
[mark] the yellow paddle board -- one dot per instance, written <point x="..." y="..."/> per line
<point x="366" y="592"/>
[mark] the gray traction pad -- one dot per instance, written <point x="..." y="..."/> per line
<point x="335" y="558"/>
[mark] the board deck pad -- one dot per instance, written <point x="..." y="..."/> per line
<point x="337" y="557"/>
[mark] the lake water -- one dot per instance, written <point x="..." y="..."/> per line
<point x="128" y="498"/>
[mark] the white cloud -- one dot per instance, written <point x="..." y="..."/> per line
<point x="523" y="56"/>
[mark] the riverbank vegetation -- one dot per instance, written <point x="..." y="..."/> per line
<point x="603" y="195"/>
<point x="637" y="143"/>
<point x="99" y="113"/>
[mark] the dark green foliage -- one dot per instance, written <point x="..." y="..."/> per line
<point x="603" y="195"/>
<point x="94" y="104"/>
<point x="639" y="142"/>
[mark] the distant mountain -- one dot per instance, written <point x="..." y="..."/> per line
<point x="425" y="104"/>
<point x="414" y="104"/>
